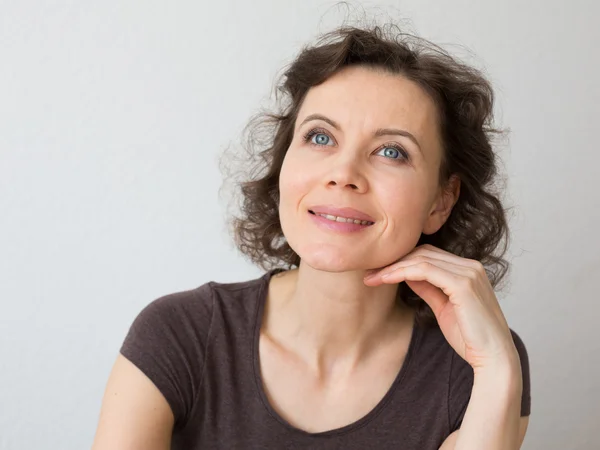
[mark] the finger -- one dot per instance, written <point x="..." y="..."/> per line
<point x="447" y="265"/>
<point x="434" y="296"/>
<point x="468" y="268"/>
<point x="457" y="279"/>
<point x="426" y="255"/>
<point x="425" y="284"/>
<point x="418" y="253"/>
<point x="437" y="273"/>
<point x="437" y="253"/>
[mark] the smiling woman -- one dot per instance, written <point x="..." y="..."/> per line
<point x="365" y="160"/>
<point x="462" y="124"/>
<point x="379" y="163"/>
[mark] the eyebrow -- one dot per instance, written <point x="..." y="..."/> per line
<point x="379" y="132"/>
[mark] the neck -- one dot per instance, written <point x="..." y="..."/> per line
<point x="333" y="320"/>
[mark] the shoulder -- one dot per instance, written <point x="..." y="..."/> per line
<point x="237" y="289"/>
<point x="461" y="383"/>
<point x="173" y="311"/>
<point x="170" y="338"/>
<point x="193" y="309"/>
<point x="200" y="297"/>
<point x="174" y="326"/>
<point x="525" y="372"/>
<point x="167" y="340"/>
<point x="240" y="300"/>
<point x="460" y="366"/>
<point x="461" y="369"/>
<point x="522" y="350"/>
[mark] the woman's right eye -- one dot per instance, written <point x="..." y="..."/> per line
<point x="320" y="138"/>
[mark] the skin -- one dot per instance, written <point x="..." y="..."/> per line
<point x="332" y="326"/>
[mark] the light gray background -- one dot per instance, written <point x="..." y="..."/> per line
<point x="113" y="115"/>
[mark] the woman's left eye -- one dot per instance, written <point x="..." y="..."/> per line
<point x="390" y="150"/>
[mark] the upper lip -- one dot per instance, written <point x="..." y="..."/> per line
<point x="349" y="213"/>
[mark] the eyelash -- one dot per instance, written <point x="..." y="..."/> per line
<point x="315" y="131"/>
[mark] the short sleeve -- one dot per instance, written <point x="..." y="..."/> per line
<point x="167" y="341"/>
<point x="461" y="384"/>
<point x="526" y="397"/>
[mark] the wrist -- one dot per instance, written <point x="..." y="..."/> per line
<point x="503" y="376"/>
<point x="505" y="363"/>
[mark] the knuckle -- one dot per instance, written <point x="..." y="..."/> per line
<point x="425" y="264"/>
<point x="467" y="282"/>
<point x="474" y="274"/>
<point x="476" y="265"/>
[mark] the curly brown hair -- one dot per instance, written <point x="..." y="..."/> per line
<point x="477" y="225"/>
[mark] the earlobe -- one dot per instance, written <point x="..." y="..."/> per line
<point x="435" y="221"/>
<point x="447" y="198"/>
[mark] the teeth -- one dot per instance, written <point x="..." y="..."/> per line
<point x="344" y="219"/>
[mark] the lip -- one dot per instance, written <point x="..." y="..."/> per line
<point x="347" y="212"/>
<point x="335" y="226"/>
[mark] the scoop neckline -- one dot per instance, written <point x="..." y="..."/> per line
<point x="359" y="423"/>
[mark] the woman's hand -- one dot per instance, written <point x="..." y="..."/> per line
<point x="462" y="299"/>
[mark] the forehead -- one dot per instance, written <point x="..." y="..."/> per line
<point x="362" y="99"/>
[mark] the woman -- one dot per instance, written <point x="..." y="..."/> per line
<point x="384" y="332"/>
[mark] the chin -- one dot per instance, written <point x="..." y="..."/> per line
<point x="328" y="258"/>
<point x="324" y="254"/>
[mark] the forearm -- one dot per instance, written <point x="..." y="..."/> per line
<point x="491" y="421"/>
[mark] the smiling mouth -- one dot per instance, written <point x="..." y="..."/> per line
<point x="342" y="219"/>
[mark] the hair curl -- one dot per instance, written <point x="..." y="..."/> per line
<point x="477" y="225"/>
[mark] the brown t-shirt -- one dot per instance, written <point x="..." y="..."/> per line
<point x="200" y="348"/>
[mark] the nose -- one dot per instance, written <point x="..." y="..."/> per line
<point x="347" y="174"/>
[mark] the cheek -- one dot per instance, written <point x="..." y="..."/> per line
<point x="291" y="189"/>
<point x="293" y="180"/>
<point x="404" y="198"/>
<point x="405" y="209"/>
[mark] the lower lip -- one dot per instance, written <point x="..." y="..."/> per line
<point x="341" y="227"/>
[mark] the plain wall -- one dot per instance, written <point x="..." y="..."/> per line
<point x="113" y="115"/>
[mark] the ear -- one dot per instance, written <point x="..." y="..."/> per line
<point x="442" y="207"/>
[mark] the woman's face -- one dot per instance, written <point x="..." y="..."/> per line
<point x="390" y="177"/>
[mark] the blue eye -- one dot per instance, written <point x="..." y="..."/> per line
<point x="321" y="139"/>
<point x="389" y="149"/>
<point x="319" y="134"/>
